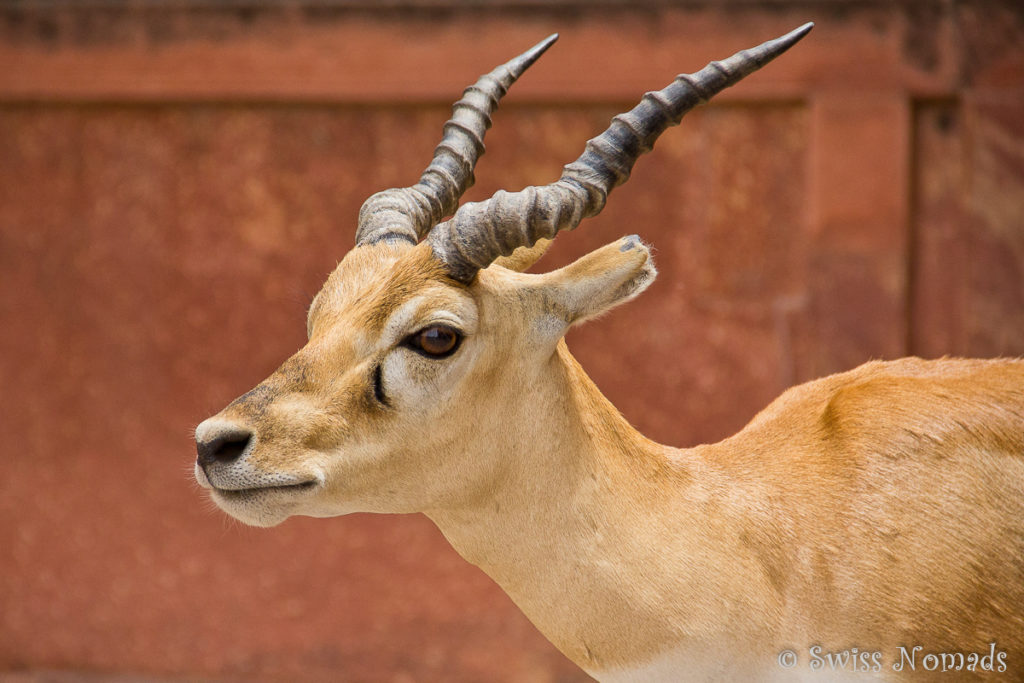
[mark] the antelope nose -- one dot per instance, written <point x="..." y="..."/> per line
<point x="221" y="447"/>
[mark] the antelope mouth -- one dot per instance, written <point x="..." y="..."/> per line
<point x="249" y="492"/>
<point x="264" y="504"/>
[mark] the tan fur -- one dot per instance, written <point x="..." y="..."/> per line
<point x="877" y="508"/>
<point x="524" y="257"/>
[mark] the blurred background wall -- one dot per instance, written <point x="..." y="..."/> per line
<point x="177" y="179"/>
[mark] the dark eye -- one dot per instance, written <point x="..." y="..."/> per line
<point x="436" y="341"/>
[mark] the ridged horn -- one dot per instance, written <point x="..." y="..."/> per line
<point x="407" y="213"/>
<point x="480" y="232"/>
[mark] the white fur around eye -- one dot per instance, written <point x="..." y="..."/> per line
<point x="418" y="383"/>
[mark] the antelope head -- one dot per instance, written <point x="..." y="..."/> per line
<point x="431" y="355"/>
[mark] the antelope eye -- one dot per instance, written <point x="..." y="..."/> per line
<point x="436" y="341"/>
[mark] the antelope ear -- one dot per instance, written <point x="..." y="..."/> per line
<point x="599" y="281"/>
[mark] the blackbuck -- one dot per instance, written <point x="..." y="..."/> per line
<point x="868" y="524"/>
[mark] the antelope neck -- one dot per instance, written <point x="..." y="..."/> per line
<point x="569" y="530"/>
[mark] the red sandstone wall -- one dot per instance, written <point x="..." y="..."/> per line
<point x="175" y="184"/>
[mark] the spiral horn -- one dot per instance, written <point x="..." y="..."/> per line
<point x="407" y="213"/>
<point x="480" y="232"/>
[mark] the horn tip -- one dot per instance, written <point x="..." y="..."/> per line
<point x="546" y="43"/>
<point x="534" y="53"/>
<point x="805" y="29"/>
<point x="773" y="48"/>
<point x="797" y="33"/>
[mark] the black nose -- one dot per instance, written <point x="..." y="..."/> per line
<point x="223" y="448"/>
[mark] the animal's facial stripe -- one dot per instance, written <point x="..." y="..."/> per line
<point x="378" y="385"/>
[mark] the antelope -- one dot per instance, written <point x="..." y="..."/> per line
<point x="869" y="524"/>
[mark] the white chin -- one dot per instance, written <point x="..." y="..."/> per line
<point x="251" y="508"/>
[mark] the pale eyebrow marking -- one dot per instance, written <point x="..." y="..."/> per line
<point x="403" y="317"/>
<point x="400" y="319"/>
